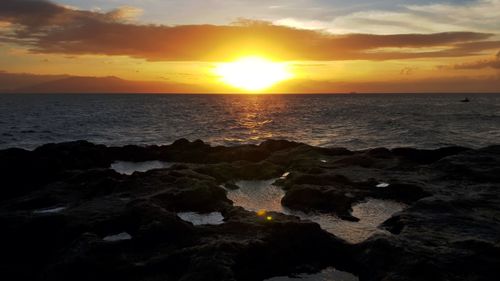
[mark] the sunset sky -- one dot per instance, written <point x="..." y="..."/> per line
<point x="325" y="46"/>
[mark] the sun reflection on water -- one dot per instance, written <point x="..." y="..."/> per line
<point x="253" y="118"/>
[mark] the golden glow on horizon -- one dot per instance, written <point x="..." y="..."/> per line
<point x="307" y="76"/>
<point x="252" y="73"/>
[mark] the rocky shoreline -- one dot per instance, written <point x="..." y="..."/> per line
<point x="66" y="215"/>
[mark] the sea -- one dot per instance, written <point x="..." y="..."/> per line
<point x="354" y="121"/>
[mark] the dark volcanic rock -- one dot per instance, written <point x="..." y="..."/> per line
<point x="231" y="186"/>
<point x="482" y="165"/>
<point x="423" y="156"/>
<point x="437" y="240"/>
<point x="242" y="170"/>
<point x="310" y="199"/>
<point x="152" y="224"/>
<point x="74" y="155"/>
<point x="199" y="152"/>
<point x="406" y="193"/>
<point x="23" y="171"/>
<point x="452" y="235"/>
<point x="59" y="202"/>
<point x="336" y="193"/>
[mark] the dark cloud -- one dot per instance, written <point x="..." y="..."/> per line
<point x="407" y="70"/>
<point x="40" y="14"/>
<point x="47" y="27"/>
<point x="479" y="64"/>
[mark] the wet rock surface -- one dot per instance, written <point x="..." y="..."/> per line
<point x="61" y="203"/>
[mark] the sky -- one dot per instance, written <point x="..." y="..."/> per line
<point x="327" y="46"/>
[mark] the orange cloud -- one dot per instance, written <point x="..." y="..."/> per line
<point x="47" y="27"/>
<point x="493" y="63"/>
<point x="479" y="64"/>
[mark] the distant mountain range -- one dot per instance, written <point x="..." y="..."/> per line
<point x="30" y="83"/>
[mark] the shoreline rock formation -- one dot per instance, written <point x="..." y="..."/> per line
<point x="59" y="201"/>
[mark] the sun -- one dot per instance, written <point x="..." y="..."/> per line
<point x="252" y="73"/>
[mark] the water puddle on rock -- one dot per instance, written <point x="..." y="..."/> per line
<point x="214" y="218"/>
<point x="371" y="214"/>
<point x="263" y="195"/>
<point x="49" y="210"/>
<point x="329" y="274"/>
<point x="382" y="185"/>
<point x="128" y="168"/>
<point x="117" y="237"/>
<point x="258" y="195"/>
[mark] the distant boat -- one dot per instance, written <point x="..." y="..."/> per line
<point x="465" y="100"/>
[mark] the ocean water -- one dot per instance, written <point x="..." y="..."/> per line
<point x="328" y="274"/>
<point x="354" y="121"/>
<point x="128" y="168"/>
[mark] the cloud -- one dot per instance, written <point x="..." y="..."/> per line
<point x="407" y="70"/>
<point x="480" y="15"/>
<point x="46" y="27"/>
<point x="493" y="63"/>
<point x="480" y="64"/>
<point x="4" y="24"/>
<point x="125" y="13"/>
